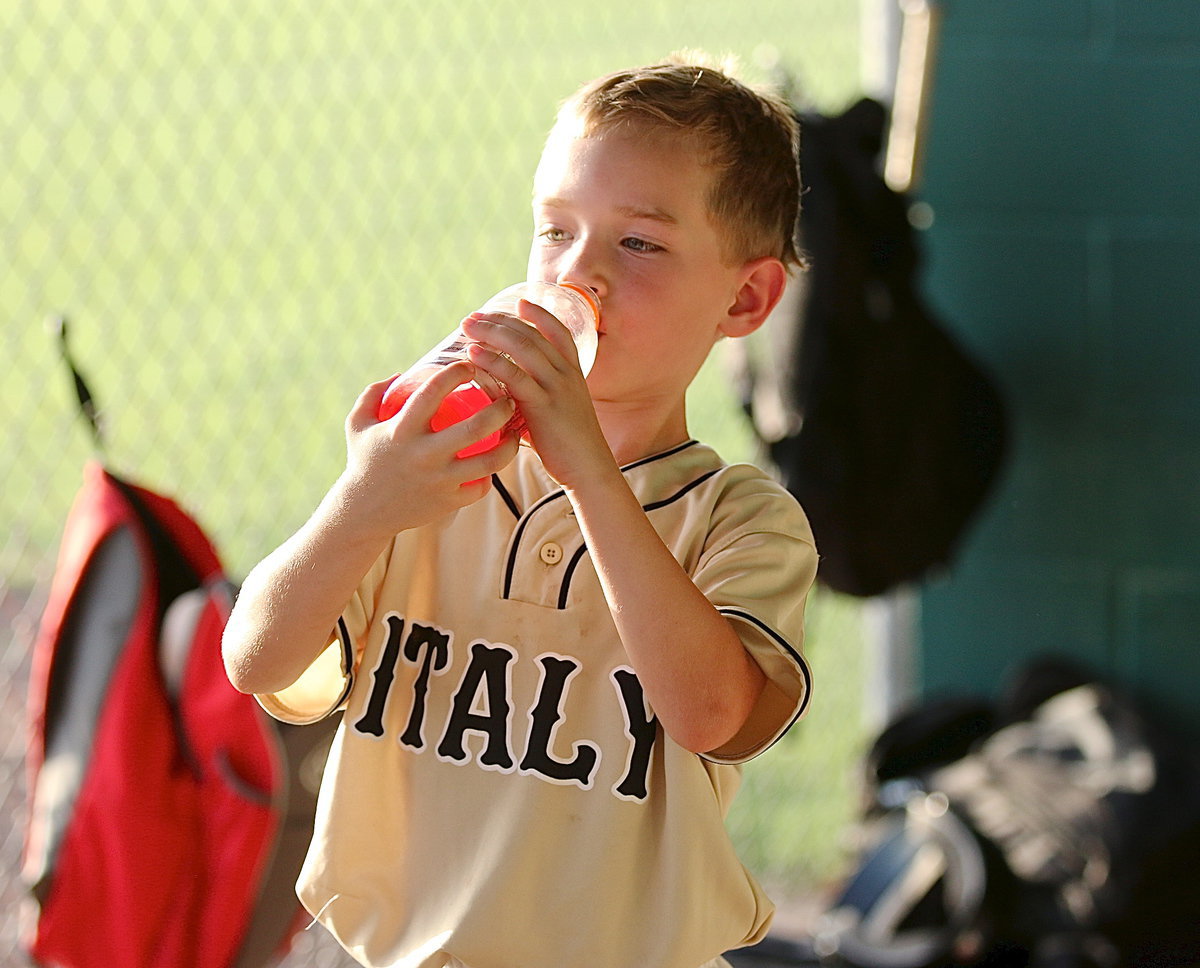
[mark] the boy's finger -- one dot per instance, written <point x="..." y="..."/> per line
<point x="481" y="424"/>
<point x="521" y="342"/>
<point x="491" y="461"/>
<point x="497" y="364"/>
<point x="549" y="326"/>
<point x="365" y="408"/>
<point x="517" y="335"/>
<point x="429" y="395"/>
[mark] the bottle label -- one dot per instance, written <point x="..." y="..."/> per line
<point x="451" y="352"/>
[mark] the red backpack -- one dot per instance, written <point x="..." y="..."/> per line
<point x="157" y="792"/>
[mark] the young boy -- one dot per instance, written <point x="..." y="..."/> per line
<point x="553" y="656"/>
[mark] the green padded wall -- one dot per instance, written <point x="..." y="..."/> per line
<point x="1063" y="170"/>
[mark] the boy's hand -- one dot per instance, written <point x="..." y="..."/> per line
<point x="400" y="474"/>
<point x="539" y="366"/>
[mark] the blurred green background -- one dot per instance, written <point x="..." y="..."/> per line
<point x="248" y="210"/>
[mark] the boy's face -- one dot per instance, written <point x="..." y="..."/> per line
<point x="625" y="214"/>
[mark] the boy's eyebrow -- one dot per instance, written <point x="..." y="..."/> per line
<point x="629" y="211"/>
<point x="653" y="214"/>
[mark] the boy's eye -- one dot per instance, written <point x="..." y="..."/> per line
<point x="553" y="235"/>
<point x="640" y="245"/>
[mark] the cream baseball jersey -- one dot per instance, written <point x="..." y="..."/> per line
<point x="499" y="791"/>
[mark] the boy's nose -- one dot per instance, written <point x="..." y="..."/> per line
<point x="585" y="273"/>
<point x="584" y="266"/>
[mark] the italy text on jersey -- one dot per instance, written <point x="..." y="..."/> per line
<point x="481" y="702"/>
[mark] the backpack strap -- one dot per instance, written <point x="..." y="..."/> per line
<point x="87" y="403"/>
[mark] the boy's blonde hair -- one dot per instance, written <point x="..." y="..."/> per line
<point x="748" y="136"/>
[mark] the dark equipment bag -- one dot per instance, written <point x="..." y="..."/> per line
<point x="877" y="420"/>
<point x="1058" y="827"/>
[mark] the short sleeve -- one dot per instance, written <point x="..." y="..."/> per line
<point x="757" y="570"/>
<point x="321" y="688"/>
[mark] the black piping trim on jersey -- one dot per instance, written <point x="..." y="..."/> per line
<point x="655" y="505"/>
<point x="347" y="661"/>
<point x="565" y="586"/>
<point x="801" y="663"/>
<point x="511" y="564"/>
<point x="505" y="496"/>
<point x="511" y="503"/>
<point x="653" y="457"/>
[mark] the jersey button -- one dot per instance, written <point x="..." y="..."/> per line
<point x="551" y="553"/>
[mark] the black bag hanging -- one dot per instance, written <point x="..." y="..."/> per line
<point x="892" y="434"/>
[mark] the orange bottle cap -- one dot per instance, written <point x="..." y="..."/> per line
<point x="592" y="299"/>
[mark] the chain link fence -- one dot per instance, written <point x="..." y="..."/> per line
<point x="247" y="210"/>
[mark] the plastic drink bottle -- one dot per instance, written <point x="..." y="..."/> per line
<point x="575" y="307"/>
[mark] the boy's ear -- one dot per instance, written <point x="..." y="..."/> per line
<point x="763" y="282"/>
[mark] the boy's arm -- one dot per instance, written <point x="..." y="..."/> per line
<point x="399" y="474"/>
<point x="289" y="603"/>
<point x="695" y="671"/>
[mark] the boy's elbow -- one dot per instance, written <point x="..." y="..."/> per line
<point x="710" y="726"/>
<point x="246" y="678"/>
<point x="243" y="667"/>
<point x="702" y="741"/>
<point x="239" y="680"/>
<point x="258" y="665"/>
<point x="238" y="668"/>
<point x="708" y="731"/>
<point x="699" y="741"/>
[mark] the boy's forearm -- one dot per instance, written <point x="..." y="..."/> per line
<point x="697" y="675"/>
<point x="290" y="602"/>
<point x="399" y="475"/>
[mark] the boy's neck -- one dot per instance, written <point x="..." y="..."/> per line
<point x="634" y="433"/>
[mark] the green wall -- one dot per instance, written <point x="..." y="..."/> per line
<point x="1063" y="170"/>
